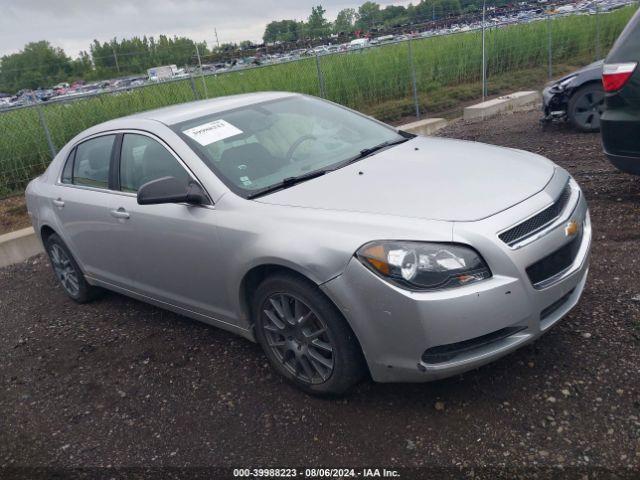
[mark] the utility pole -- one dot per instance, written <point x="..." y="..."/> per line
<point x="115" y="57"/>
<point x="215" y="30"/>
<point x="204" y="84"/>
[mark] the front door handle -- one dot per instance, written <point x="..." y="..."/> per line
<point x="58" y="203"/>
<point x="120" y="213"/>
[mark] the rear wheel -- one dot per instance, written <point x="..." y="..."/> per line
<point x="305" y="337"/>
<point x="585" y="107"/>
<point x="68" y="272"/>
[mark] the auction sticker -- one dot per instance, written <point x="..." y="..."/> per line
<point x="211" y="132"/>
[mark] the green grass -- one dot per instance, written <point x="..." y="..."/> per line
<point x="376" y="81"/>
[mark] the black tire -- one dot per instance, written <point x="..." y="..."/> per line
<point x="585" y="107"/>
<point x="65" y="267"/>
<point x="348" y="365"/>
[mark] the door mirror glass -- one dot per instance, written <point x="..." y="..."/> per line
<point x="171" y="190"/>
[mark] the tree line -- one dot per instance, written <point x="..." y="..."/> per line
<point x="40" y="64"/>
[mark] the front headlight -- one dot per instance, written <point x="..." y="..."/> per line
<point x="424" y="266"/>
<point x="562" y="85"/>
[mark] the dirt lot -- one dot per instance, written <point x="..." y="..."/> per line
<point x="122" y="384"/>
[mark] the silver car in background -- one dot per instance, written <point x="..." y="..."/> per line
<point x="343" y="246"/>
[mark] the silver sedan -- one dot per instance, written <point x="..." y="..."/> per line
<point x="343" y="246"/>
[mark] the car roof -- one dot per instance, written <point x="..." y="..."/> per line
<point x="182" y="112"/>
<point x="187" y="111"/>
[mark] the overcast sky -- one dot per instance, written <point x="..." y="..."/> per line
<point x="73" y="24"/>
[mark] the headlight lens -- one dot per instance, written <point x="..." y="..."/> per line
<point x="562" y="85"/>
<point x="424" y="266"/>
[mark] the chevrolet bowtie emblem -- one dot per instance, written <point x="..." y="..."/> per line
<point x="571" y="228"/>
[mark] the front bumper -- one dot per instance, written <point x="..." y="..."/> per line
<point x="554" y="103"/>
<point x="398" y="328"/>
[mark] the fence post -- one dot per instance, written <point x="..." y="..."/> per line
<point x="484" y="54"/>
<point x="193" y="85"/>
<point x="413" y="79"/>
<point x="597" y="31"/>
<point x="549" y="47"/>
<point x="204" y="83"/>
<point x="320" y="77"/>
<point x="47" y="133"/>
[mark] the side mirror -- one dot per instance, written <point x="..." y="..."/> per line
<point x="171" y="190"/>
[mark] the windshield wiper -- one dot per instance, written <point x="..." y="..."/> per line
<point x="365" y="152"/>
<point x="288" y="182"/>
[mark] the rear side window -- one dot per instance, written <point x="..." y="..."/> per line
<point x="91" y="164"/>
<point x="67" y="172"/>
<point x="627" y="46"/>
<point x="143" y="160"/>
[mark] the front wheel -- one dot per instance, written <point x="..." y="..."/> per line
<point x="585" y="107"/>
<point x="305" y="337"/>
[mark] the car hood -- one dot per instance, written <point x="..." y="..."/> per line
<point x="590" y="72"/>
<point x="429" y="178"/>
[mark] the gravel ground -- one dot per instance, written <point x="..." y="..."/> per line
<point x="123" y="384"/>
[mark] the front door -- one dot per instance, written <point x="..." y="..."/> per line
<point x="173" y="248"/>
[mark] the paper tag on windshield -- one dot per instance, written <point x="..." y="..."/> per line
<point x="211" y="132"/>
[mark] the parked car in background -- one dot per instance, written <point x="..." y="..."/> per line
<point x="359" y="43"/>
<point x="5" y="99"/>
<point x="621" y="118"/>
<point x="577" y="97"/>
<point x="165" y="72"/>
<point x="340" y="244"/>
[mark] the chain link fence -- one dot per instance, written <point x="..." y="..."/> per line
<point x="412" y="78"/>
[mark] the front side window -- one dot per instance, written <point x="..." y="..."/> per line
<point x="143" y="160"/>
<point x="91" y="165"/>
<point x="258" y="146"/>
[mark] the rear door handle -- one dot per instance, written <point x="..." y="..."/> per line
<point x="120" y="213"/>
<point x="58" y="203"/>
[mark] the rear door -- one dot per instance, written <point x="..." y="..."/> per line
<point x="84" y="203"/>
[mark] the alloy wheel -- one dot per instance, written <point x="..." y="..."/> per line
<point x="64" y="270"/>
<point x="298" y="338"/>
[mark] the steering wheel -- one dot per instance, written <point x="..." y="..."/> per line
<point x="294" y="146"/>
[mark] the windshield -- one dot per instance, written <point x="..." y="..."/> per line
<point x="258" y="146"/>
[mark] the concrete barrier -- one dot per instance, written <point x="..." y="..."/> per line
<point x="507" y="103"/>
<point x="428" y="126"/>
<point x="16" y="247"/>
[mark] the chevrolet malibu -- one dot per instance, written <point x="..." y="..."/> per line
<point x="344" y="247"/>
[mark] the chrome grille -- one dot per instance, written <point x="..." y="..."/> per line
<point x="537" y="222"/>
